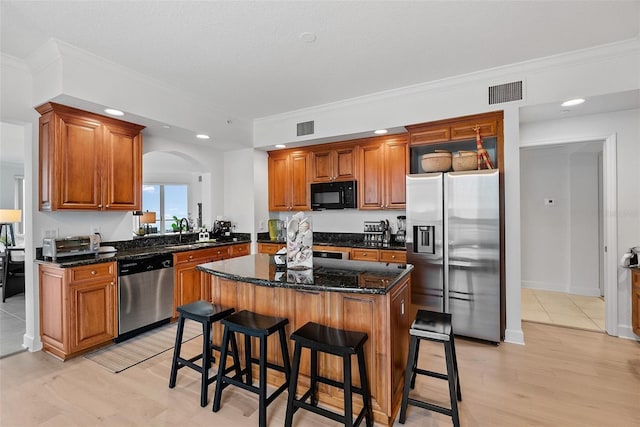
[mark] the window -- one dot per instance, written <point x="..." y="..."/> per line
<point x="167" y="201"/>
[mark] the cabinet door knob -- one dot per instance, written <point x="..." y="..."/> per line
<point x="93" y="272"/>
<point x="100" y="205"/>
<point x="190" y="256"/>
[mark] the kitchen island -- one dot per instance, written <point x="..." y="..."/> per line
<point x="361" y="296"/>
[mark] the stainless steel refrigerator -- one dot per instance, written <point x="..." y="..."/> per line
<point x="453" y="241"/>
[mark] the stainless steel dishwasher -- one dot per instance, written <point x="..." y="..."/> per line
<point x="145" y="294"/>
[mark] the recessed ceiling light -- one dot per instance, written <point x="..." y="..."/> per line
<point x="202" y="136"/>
<point x="572" y="102"/>
<point x="380" y="131"/>
<point x="113" y="112"/>
<point x="281" y="146"/>
<point x="166" y="126"/>
<point x="307" y="37"/>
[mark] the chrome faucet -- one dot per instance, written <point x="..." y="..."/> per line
<point x="180" y="228"/>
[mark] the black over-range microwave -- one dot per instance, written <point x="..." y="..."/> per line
<point x="334" y="195"/>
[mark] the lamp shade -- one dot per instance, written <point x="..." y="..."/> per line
<point x="9" y="216"/>
<point x="148" y="218"/>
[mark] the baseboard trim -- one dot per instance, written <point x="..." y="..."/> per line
<point x="514" y="336"/>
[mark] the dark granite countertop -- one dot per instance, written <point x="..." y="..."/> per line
<point x="356" y="242"/>
<point x="133" y="253"/>
<point x="332" y="275"/>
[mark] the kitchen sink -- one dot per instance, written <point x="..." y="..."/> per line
<point x="188" y="246"/>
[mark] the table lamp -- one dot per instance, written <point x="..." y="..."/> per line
<point x="146" y="219"/>
<point x="8" y="217"/>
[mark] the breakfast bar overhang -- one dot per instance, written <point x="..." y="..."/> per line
<point x="352" y="295"/>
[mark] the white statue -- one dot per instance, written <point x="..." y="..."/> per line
<point x="299" y="242"/>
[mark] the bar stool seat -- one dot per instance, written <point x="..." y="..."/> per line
<point x="432" y="326"/>
<point x="338" y="342"/>
<point x="205" y="313"/>
<point x="253" y="325"/>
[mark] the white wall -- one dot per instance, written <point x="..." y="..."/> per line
<point x="261" y="193"/>
<point x="544" y="174"/>
<point x="625" y="125"/>
<point x="239" y="200"/>
<point x="168" y="162"/>
<point x="560" y="241"/>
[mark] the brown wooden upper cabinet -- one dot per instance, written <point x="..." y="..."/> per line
<point x="88" y="161"/>
<point x="335" y="164"/>
<point x="289" y="181"/>
<point x="457" y="134"/>
<point x="382" y="170"/>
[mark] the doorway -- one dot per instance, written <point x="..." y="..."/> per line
<point x="12" y="196"/>
<point x="563" y="234"/>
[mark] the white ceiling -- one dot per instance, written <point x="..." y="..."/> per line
<point x="249" y="60"/>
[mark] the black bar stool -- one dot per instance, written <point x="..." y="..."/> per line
<point x="206" y="314"/>
<point x="338" y="342"/>
<point x="432" y="326"/>
<point x="253" y="325"/>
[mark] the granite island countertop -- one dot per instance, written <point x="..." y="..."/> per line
<point x="133" y="253"/>
<point x="331" y="275"/>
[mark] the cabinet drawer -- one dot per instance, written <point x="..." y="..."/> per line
<point x="468" y="131"/>
<point x="219" y="253"/>
<point x="393" y="256"/>
<point x="200" y="254"/>
<point x="93" y="272"/>
<point x="270" y="248"/>
<point x="364" y="254"/>
<point x="240" y="250"/>
<point x="428" y="136"/>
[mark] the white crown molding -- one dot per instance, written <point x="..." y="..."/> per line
<point x="497" y="75"/>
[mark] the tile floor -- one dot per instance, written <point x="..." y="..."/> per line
<point x="12" y="325"/>
<point x="558" y="308"/>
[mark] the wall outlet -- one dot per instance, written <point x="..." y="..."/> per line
<point x="549" y="202"/>
<point x="49" y="233"/>
<point x="261" y="225"/>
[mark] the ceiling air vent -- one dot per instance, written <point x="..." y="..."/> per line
<point x="505" y="92"/>
<point x="305" y="128"/>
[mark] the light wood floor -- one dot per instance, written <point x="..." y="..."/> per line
<point x="561" y="377"/>
<point x="559" y="308"/>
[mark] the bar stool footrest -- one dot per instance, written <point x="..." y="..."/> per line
<point x="430" y="406"/>
<point x="326" y="413"/>
<point x="338" y="384"/>
<point x="431" y="374"/>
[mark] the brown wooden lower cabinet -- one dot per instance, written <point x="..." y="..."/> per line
<point x="635" y="301"/>
<point x="78" y="307"/>
<point x="192" y="285"/>
<point x="382" y="255"/>
<point x="385" y="318"/>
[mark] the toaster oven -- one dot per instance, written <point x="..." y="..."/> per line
<point x="70" y="246"/>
